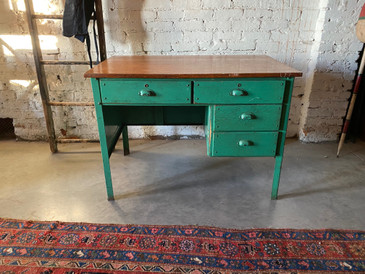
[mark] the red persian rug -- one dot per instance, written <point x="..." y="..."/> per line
<point x="55" y="247"/>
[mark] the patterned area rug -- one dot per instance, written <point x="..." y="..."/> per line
<point x="54" y="247"/>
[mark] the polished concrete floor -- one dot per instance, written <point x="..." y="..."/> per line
<point x="174" y="182"/>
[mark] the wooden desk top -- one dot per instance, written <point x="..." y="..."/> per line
<point x="192" y="66"/>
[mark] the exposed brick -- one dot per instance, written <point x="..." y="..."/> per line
<point x="198" y="15"/>
<point x="241" y="45"/>
<point x="172" y="15"/>
<point x="156" y="4"/>
<point x="216" y="4"/>
<point x="191" y="36"/>
<point x="217" y="25"/>
<point x="159" y="26"/>
<point x="189" y="25"/>
<point x="184" y="47"/>
<point x="171" y="37"/>
<point x="156" y="47"/>
<point x="231" y="14"/>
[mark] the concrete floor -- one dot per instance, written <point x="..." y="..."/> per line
<point x="174" y="182"/>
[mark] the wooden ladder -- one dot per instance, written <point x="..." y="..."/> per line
<point x="40" y="63"/>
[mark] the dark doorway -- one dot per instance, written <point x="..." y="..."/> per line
<point x="6" y="129"/>
<point x="357" y="125"/>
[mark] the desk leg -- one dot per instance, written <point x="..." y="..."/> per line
<point x="276" y="180"/>
<point x="125" y="140"/>
<point x="103" y="139"/>
<point x="104" y="152"/>
<point x="106" y="164"/>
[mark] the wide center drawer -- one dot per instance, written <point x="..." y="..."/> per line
<point x="145" y="92"/>
<point x="245" y="117"/>
<point x="244" y="91"/>
<point x="253" y="144"/>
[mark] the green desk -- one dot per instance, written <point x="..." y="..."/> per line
<point x="243" y="101"/>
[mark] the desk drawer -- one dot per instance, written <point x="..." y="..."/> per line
<point x="246" y="91"/>
<point x="253" y="144"/>
<point x="246" y="117"/>
<point x="145" y="92"/>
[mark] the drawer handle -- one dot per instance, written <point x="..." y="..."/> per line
<point x="238" y="92"/>
<point x="146" y="93"/>
<point x="244" y="143"/>
<point x="247" y="116"/>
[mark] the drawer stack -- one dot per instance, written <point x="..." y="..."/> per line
<point x="243" y="116"/>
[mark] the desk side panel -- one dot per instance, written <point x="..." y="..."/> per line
<point x="285" y="115"/>
<point x="281" y="138"/>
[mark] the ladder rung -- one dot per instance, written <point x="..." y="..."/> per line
<point x="55" y="62"/>
<point x="51" y="16"/>
<point x="61" y="140"/>
<point x="47" y="16"/>
<point x="83" y="104"/>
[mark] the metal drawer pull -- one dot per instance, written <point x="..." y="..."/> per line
<point x="247" y="116"/>
<point x="238" y="92"/>
<point x="146" y="93"/>
<point x="244" y="143"/>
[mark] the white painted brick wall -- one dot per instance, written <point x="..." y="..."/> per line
<point x="316" y="37"/>
<point x="334" y="72"/>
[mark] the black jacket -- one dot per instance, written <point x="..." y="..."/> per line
<point x="76" y="18"/>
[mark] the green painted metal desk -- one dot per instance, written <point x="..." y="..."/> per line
<point x="243" y="101"/>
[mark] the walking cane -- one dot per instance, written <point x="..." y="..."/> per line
<point x="360" y="33"/>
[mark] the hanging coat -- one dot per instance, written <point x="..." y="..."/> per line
<point x="76" y="18"/>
